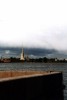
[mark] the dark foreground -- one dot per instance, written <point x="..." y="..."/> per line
<point x="32" y="86"/>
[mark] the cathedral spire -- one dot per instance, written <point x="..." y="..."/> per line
<point x="22" y="55"/>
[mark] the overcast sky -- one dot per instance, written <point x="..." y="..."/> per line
<point x="34" y="23"/>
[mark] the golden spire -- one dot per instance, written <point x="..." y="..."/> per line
<point x="22" y="55"/>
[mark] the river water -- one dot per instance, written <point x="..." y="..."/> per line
<point x="39" y="66"/>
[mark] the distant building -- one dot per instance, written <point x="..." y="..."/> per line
<point x="56" y="59"/>
<point x="22" y="55"/>
<point x="27" y="58"/>
<point x="66" y="59"/>
<point x="5" y="60"/>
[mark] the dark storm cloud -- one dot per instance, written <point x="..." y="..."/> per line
<point x="31" y="52"/>
<point x="27" y="51"/>
<point x="9" y="52"/>
<point x="39" y="52"/>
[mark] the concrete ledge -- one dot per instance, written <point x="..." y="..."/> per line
<point x="12" y="74"/>
<point x="31" y="85"/>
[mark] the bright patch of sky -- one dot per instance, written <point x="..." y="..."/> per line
<point x="34" y="23"/>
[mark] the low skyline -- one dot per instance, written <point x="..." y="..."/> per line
<point x="38" y="24"/>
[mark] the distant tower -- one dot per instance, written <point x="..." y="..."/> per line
<point x="22" y="55"/>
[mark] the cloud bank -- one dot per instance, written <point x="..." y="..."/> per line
<point x="31" y="52"/>
<point x="34" y="24"/>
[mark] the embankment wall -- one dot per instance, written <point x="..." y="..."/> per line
<point x="41" y="87"/>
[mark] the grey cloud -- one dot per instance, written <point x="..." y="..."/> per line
<point x="33" y="52"/>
